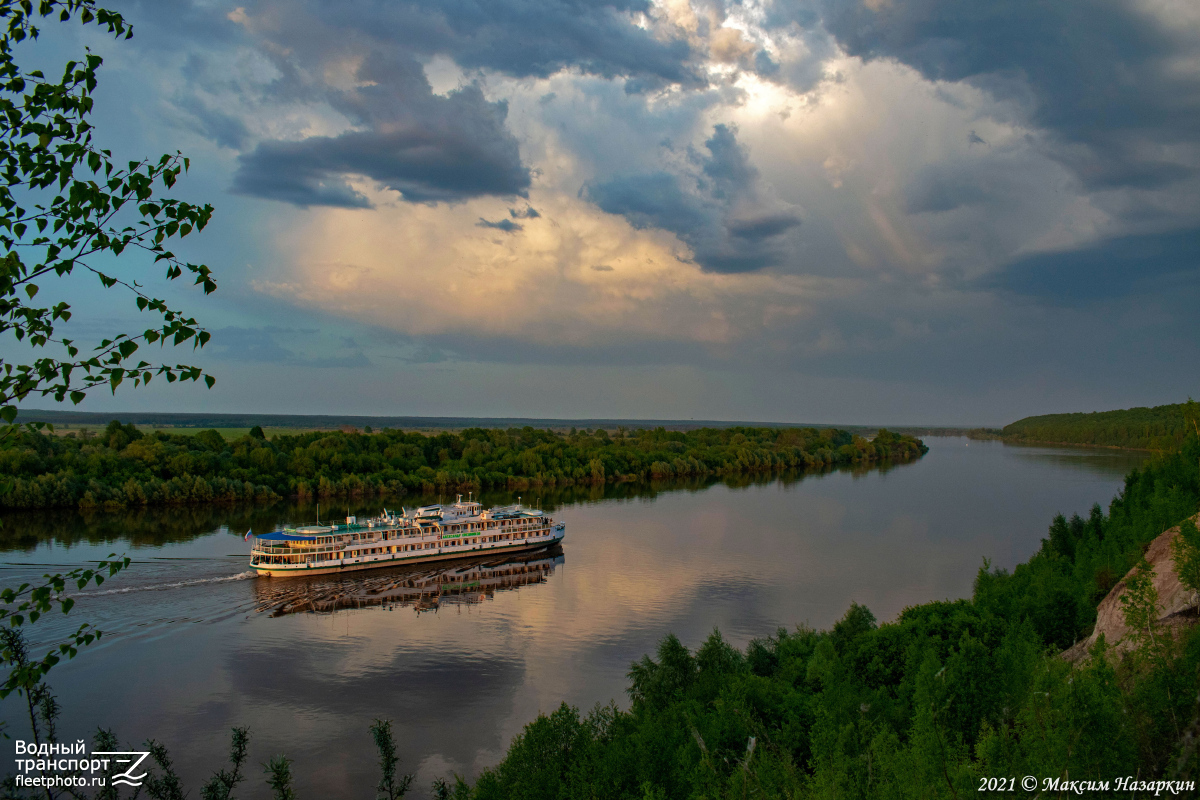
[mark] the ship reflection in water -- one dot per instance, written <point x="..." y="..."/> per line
<point x="463" y="582"/>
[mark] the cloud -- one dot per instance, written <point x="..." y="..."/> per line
<point x="763" y="227"/>
<point x="506" y="225"/>
<point x="428" y="272"/>
<point x="1109" y="269"/>
<point x="1108" y="81"/>
<point x="729" y="163"/>
<point x="946" y="186"/>
<point x="426" y="147"/>
<point x="974" y="183"/>
<point x="715" y="211"/>
<point x="654" y="200"/>
<point x="259" y="346"/>
<point x="527" y="38"/>
<point x="225" y="129"/>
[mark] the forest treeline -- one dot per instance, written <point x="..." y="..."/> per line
<point x="1157" y="428"/>
<point x="932" y="705"/>
<point x="122" y="467"/>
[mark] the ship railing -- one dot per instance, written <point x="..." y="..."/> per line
<point x="290" y="550"/>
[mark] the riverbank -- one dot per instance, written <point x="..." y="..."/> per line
<point x="123" y="467"/>
<point x="989" y="436"/>
<point x="1159" y="428"/>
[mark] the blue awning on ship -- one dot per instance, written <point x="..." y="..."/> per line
<point x="280" y="536"/>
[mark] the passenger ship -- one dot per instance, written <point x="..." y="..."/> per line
<point x="430" y="533"/>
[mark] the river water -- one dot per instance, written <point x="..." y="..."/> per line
<point x="460" y="657"/>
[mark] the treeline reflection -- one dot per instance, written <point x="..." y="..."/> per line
<point x="424" y="588"/>
<point x="156" y="526"/>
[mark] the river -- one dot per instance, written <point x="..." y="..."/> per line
<point x="461" y="657"/>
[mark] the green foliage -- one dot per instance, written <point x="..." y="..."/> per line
<point x="1185" y="555"/>
<point x="279" y="778"/>
<point x="162" y="783"/>
<point x="66" y="207"/>
<point x="390" y="787"/>
<point x="222" y="784"/>
<point x="122" y="468"/>
<point x="1139" y="601"/>
<point x="922" y="707"/>
<point x="1158" y="428"/>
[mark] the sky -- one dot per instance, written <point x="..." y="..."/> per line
<point x="832" y="211"/>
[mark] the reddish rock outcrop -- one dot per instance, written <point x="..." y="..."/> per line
<point x="1175" y="601"/>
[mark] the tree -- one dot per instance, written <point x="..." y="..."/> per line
<point x="66" y="207"/>
<point x="390" y="786"/>
<point x="1139" y="602"/>
<point x="1185" y="554"/>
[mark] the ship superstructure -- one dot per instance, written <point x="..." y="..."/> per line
<point x="428" y="533"/>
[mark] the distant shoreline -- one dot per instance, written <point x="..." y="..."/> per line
<point x="166" y="419"/>
<point x="1006" y="440"/>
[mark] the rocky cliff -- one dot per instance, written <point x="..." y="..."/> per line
<point x="1176" y="602"/>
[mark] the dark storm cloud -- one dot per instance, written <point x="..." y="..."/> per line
<point x="728" y="164"/>
<point x="706" y="218"/>
<point x="506" y="225"/>
<point x="224" y="129"/>
<point x="523" y="38"/>
<point x="762" y="227"/>
<point x="1109" y="269"/>
<point x="259" y="346"/>
<point x="427" y="147"/>
<point x="1098" y="76"/>
<point x="655" y="200"/>
<point x="300" y="173"/>
<point x="947" y="186"/>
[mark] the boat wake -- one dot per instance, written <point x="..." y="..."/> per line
<point x="241" y="576"/>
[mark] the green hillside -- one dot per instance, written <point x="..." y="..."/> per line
<point x="1158" y="428"/>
